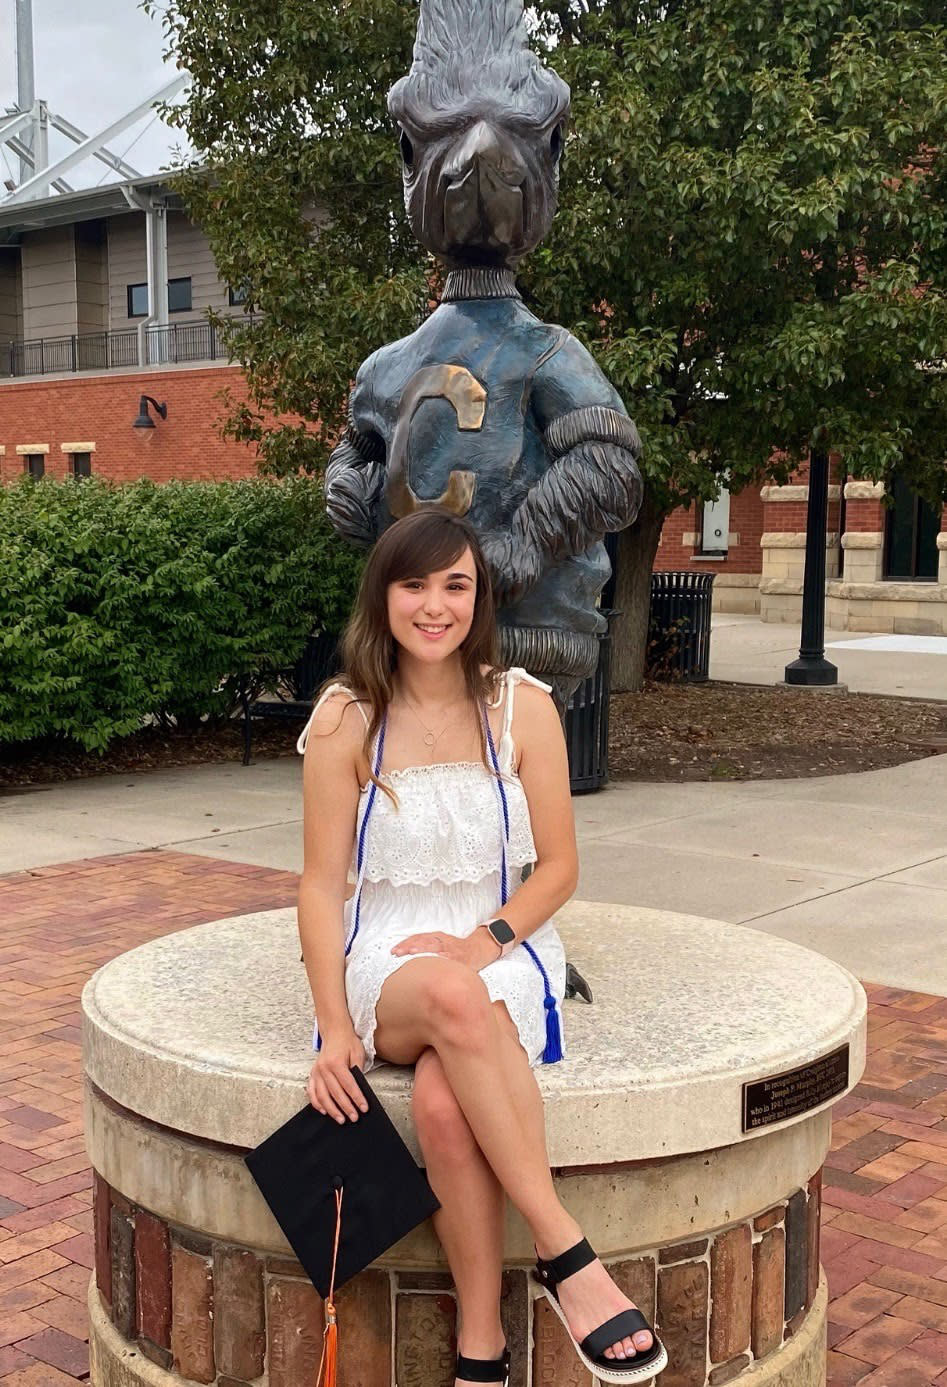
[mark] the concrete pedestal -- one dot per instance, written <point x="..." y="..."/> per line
<point x="196" y="1047"/>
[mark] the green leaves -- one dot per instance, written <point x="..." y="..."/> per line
<point x="738" y="182"/>
<point x="119" y="604"/>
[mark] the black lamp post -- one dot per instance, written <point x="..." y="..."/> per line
<point x="144" y="420"/>
<point x="812" y="667"/>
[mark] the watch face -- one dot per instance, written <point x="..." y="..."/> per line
<point x="501" y="931"/>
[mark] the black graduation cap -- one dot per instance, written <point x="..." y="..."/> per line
<point x="311" y="1160"/>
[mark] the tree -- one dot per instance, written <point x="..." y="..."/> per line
<point x="752" y="235"/>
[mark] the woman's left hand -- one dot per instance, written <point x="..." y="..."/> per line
<point x="468" y="950"/>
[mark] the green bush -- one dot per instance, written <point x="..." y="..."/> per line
<point x="119" y="603"/>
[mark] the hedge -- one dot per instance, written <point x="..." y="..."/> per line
<point x="123" y="603"/>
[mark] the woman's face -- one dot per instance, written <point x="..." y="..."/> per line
<point x="431" y="615"/>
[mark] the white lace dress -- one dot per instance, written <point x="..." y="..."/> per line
<point x="434" y="863"/>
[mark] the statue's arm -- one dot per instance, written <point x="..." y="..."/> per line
<point x="592" y="485"/>
<point x="355" y="470"/>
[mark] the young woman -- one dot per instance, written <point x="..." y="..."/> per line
<point x="437" y="778"/>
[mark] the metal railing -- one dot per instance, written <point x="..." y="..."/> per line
<point x="113" y="351"/>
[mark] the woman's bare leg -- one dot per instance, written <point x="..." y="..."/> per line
<point x="439" y="1003"/>
<point x="462" y="1180"/>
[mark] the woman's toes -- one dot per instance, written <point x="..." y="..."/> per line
<point x="643" y="1340"/>
<point x="628" y="1348"/>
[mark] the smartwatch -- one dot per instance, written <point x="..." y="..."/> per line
<point x="502" y="933"/>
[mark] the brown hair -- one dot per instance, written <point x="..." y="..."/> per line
<point x="423" y="542"/>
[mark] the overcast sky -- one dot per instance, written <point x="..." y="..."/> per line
<point x="95" y="59"/>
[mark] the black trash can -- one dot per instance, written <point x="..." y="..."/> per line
<point x="679" y="625"/>
<point x="586" y="723"/>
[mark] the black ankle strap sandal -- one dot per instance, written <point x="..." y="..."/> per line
<point x="484" y="1369"/>
<point x="645" y="1365"/>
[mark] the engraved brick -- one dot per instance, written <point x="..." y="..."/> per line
<point x="796" y="1259"/>
<point x="769" y="1260"/>
<point x="364" y="1309"/>
<point x="731" y="1282"/>
<point x="555" y="1363"/>
<point x="515" y="1316"/>
<point x="157" y="1354"/>
<point x="425" y="1340"/>
<point x="637" y="1279"/>
<point x="683" y="1292"/>
<point x="294" y="1325"/>
<point x="682" y="1252"/>
<point x="813" y="1235"/>
<point x="192" y="1308"/>
<point x="728" y="1371"/>
<point x="101" y="1219"/>
<point x="122" y="1245"/>
<point x="153" y="1279"/>
<point x="770" y="1219"/>
<point x="239" y="1317"/>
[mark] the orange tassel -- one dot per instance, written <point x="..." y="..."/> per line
<point x="328" y="1364"/>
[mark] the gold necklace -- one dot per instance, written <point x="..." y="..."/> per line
<point x="431" y="738"/>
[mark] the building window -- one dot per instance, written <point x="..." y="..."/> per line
<point x="80" y="464"/>
<point x="179" y="295"/>
<point x="715" y="525"/>
<point x="34" y="465"/>
<point x="138" y="300"/>
<point x="236" y="297"/>
<point x="179" y="298"/>
<point x="911" y="529"/>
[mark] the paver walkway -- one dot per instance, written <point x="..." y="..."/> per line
<point x="885" y="1183"/>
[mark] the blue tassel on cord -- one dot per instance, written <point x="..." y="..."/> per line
<point x="553" y="1051"/>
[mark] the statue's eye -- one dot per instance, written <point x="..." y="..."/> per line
<point x="555" y="143"/>
<point x="407" y="150"/>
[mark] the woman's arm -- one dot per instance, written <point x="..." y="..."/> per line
<point x="330" y="808"/>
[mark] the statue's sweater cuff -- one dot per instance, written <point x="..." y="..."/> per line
<point x="592" y="423"/>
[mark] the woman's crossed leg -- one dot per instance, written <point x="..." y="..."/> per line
<point x="479" y="1074"/>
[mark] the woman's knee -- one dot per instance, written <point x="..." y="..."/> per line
<point x="438" y="1117"/>
<point x="460" y="1010"/>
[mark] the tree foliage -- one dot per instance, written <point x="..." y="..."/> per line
<point x="752" y="235"/>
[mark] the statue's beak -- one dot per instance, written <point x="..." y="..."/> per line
<point x="482" y="179"/>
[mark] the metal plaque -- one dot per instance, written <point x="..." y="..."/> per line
<point x="796" y="1091"/>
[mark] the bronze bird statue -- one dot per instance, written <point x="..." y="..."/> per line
<point x="485" y="408"/>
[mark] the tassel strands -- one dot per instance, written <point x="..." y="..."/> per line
<point x="327" y="1375"/>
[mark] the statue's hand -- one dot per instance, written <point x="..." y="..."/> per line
<point x="514" y="566"/>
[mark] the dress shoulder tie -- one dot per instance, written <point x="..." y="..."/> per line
<point x="326" y="693"/>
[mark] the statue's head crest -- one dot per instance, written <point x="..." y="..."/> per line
<point x="482" y="125"/>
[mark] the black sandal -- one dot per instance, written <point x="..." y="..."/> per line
<point x="646" y="1364"/>
<point x="484" y="1369"/>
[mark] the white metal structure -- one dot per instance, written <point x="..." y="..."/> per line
<point x="25" y="127"/>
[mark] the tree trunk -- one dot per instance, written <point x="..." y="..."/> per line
<point x="637" y="547"/>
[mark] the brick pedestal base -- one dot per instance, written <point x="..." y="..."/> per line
<point x="727" y="1307"/>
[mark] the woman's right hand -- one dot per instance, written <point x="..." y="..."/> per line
<point x="332" y="1088"/>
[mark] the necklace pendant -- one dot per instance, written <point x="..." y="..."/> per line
<point x="429" y="739"/>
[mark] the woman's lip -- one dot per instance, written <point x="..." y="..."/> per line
<point x="432" y="635"/>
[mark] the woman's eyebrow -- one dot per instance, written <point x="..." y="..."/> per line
<point x="460" y="575"/>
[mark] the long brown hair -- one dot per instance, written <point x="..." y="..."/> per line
<point x="426" y="541"/>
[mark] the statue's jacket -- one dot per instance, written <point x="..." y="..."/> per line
<point x="533" y="375"/>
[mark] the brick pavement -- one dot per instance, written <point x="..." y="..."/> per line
<point x="884" y="1240"/>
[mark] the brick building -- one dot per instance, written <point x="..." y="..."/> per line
<point x="103" y="299"/>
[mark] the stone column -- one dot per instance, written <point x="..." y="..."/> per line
<point x="783" y="543"/>
<point x="687" y="1127"/>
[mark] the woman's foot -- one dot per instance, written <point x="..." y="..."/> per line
<point x="490" y="1345"/>
<point x="590" y="1297"/>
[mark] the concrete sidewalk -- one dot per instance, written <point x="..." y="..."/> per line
<point x="745" y="650"/>
<point x="854" y="866"/>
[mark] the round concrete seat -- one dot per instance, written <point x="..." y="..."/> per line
<point x="696" y="1181"/>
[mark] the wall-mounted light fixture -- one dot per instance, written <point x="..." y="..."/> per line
<point x="144" y="420"/>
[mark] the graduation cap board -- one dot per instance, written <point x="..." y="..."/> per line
<point x="354" y="1183"/>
